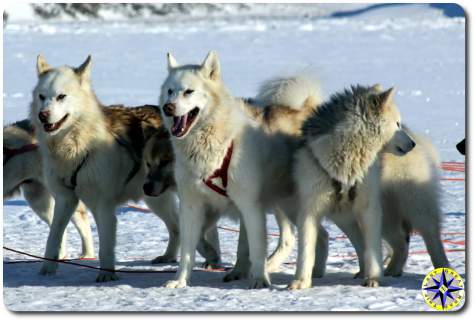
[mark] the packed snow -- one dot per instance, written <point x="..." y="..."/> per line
<point x="416" y="48"/>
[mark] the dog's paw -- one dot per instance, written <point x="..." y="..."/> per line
<point x="235" y="274"/>
<point x="164" y="259"/>
<point x="211" y="265"/>
<point x="299" y="284"/>
<point x="106" y="277"/>
<point x="359" y="275"/>
<point x="49" y="268"/>
<point x="318" y="273"/>
<point x="175" y="284"/>
<point x="259" y="283"/>
<point x="393" y="272"/>
<point x="371" y="283"/>
<point x="87" y="256"/>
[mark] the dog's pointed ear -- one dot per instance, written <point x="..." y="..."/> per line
<point x="84" y="70"/>
<point x="210" y="66"/>
<point x="41" y="65"/>
<point x="385" y="98"/>
<point x="171" y="62"/>
<point x="377" y="88"/>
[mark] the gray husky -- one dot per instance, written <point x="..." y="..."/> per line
<point x="338" y="172"/>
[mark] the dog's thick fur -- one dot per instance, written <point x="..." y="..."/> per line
<point x="204" y="120"/>
<point x="337" y="172"/>
<point x="24" y="173"/>
<point x="90" y="153"/>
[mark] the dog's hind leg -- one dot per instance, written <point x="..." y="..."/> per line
<point x="65" y="206"/>
<point x="254" y="219"/>
<point x="81" y="222"/>
<point x="165" y="207"/>
<point x="191" y="224"/>
<point x="321" y="253"/>
<point x="398" y="239"/>
<point x="42" y="203"/>
<point x="208" y="245"/>
<point x="348" y="224"/>
<point x="241" y="268"/>
<point x="431" y="235"/>
<point x="286" y="241"/>
<point x="106" y="222"/>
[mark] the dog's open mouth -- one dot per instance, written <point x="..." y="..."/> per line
<point x="49" y="128"/>
<point x="181" y="124"/>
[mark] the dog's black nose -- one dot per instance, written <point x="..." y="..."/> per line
<point x="169" y="109"/>
<point x="148" y="188"/>
<point x="44" y="116"/>
<point x="413" y="144"/>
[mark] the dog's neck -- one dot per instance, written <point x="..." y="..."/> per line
<point x="205" y="147"/>
<point x="70" y="148"/>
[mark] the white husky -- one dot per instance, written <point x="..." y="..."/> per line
<point x="223" y="159"/>
<point x="22" y="171"/>
<point x="410" y="199"/>
<point x="90" y="153"/>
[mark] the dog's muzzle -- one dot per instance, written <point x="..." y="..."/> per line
<point x="169" y="109"/>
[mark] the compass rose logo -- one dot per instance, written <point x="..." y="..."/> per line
<point x="443" y="289"/>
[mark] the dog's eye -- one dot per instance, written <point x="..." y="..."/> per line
<point x="60" y="97"/>
<point x="170" y="91"/>
<point x="398" y="125"/>
<point x="148" y="165"/>
<point x="188" y="92"/>
<point x="41" y="97"/>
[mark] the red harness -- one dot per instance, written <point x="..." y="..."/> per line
<point x="221" y="173"/>
<point x="8" y="153"/>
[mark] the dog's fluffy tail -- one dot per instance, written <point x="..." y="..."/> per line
<point x="297" y="92"/>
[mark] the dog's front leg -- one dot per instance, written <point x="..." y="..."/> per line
<point x="369" y="218"/>
<point x="191" y="217"/>
<point x="308" y="223"/>
<point x="286" y="241"/>
<point x="65" y="205"/>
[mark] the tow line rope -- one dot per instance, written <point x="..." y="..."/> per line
<point x="40" y="258"/>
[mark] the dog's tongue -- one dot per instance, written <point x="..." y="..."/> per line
<point x="179" y="124"/>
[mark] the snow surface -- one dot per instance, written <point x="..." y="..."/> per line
<point x="415" y="48"/>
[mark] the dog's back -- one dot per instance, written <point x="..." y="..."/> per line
<point x="283" y="104"/>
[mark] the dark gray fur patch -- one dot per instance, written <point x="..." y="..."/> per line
<point x="25" y="125"/>
<point x="352" y="193"/>
<point x="358" y="101"/>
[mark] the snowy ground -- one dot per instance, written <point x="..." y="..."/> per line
<point x="415" y="48"/>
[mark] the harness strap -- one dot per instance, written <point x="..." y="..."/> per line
<point x="73" y="179"/>
<point x="137" y="163"/>
<point x="9" y="153"/>
<point x="221" y="173"/>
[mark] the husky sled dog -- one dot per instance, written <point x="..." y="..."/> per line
<point x="279" y="107"/>
<point x="223" y="159"/>
<point x="90" y="153"/>
<point x="337" y="171"/>
<point x="410" y="199"/>
<point x="22" y="171"/>
<point x="410" y="202"/>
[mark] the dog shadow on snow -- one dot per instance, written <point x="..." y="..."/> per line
<point x="27" y="274"/>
